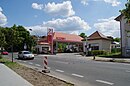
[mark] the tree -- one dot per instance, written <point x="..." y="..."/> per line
<point x="116" y="39"/>
<point x="16" y="36"/>
<point x="2" y="40"/>
<point x="126" y="11"/>
<point x="83" y="35"/>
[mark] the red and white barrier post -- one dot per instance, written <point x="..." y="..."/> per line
<point x="45" y="63"/>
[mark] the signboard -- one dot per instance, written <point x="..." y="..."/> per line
<point x="49" y="35"/>
<point x="60" y="38"/>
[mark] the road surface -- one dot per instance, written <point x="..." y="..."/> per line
<point x="83" y="71"/>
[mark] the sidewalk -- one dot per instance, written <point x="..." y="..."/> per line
<point x="10" y="78"/>
<point x="121" y="60"/>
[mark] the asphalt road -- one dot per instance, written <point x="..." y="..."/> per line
<point x="82" y="71"/>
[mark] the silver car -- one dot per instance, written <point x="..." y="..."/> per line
<point x="25" y="55"/>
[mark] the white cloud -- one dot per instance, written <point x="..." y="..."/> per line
<point x="64" y="9"/>
<point x="112" y="2"/>
<point x="84" y="2"/>
<point x="37" y="30"/>
<point x="108" y="27"/>
<point x="69" y="25"/>
<point x="37" y="6"/>
<point x="3" y="18"/>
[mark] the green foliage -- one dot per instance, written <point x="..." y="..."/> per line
<point x="126" y="11"/>
<point x="116" y="39"/>
<point x="115" y="50"/>
<point x="98" y="52"/>
<point x="16" y="36"/>
<point x="83" y="35"/>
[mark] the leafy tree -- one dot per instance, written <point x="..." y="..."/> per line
<point x="16" y="36"/>
<point x="116" y="39"/>
<point x="83" y="35"/>
<point x="126" y="11"/>
<point x="2" y="40"/>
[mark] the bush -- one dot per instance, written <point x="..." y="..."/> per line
<point x="0" y="56"/>
<point x="98" y="52"/>
<point x="115" y="50"/>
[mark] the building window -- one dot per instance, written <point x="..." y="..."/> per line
<point x="95" y="46"/>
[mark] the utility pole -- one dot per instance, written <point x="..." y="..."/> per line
<point x="37" y="39"/>
<point x="12" y="46"/>
<point x="86" y="46"/>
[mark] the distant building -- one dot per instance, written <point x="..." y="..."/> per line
<point x="73" y="42"/>
<point x="115" y="45"/>
<point x="98" y="41"/>
<point x="125" y="35"/>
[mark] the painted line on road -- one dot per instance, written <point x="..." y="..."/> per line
<point x="105" y="82"/>
<point x="30" y="63"/>
<point x="37" y="65"/>
<point x="128" y="71"/>
<point x="126" y="64"/>
<point x="24" y="61"/>
<point x="59" y="70"/>
<point x="62" y="62"/>
<point x="77" y="75"/>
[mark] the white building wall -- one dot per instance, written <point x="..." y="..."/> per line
<point x="103" y="44"/>
<point x="96" y="41"/>
<point x="125" y="42"/>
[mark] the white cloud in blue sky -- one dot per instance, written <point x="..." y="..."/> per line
<point x="112" y="2"/>
<point x="37" y="6"/>
<point x="69" y="25"/>
<point x="69" y="16"/>
<point x="3" y="18"/>
<point x="109" y="27"/>
<point x="57" y="9"/>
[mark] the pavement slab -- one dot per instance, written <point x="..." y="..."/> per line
<point x="9" y="78"/>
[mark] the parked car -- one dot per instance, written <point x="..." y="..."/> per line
<point x="25" y="55"/>
<point x="4" y="53"/>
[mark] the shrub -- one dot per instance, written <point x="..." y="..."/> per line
<point x="115" y="50"/>
<point x="98" y="52"/>
<point x="0" y="56"/>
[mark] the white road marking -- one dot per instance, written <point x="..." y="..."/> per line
<point x="105" y="82"/>
<point x="37" y="65"/>
<point x="78" y="75"/>
<point x="128" y="71"/>
<point x="60" y="70"/>
<point x="61" y="62"/>
<point x="24" y="61"/>
<point x="126" y="64"/>
<point x="30" y="63"/>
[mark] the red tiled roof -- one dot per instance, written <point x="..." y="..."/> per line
<point x="97" y="35"/>
<point x="64" y="37"/>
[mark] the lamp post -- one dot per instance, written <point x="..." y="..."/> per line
<point x="36" y="41"/>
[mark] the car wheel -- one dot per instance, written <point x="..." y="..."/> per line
<point x="32" y="58"/>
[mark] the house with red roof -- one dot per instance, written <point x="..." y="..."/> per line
<point x="98" y="41"/>
<point x="59" y="42"/>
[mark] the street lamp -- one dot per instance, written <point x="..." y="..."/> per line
<point x="36" y="41"/>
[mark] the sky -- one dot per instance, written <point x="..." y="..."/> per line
<point x="68" y="16"/>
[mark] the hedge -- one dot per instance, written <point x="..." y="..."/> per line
<point x="98" y="52"/>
